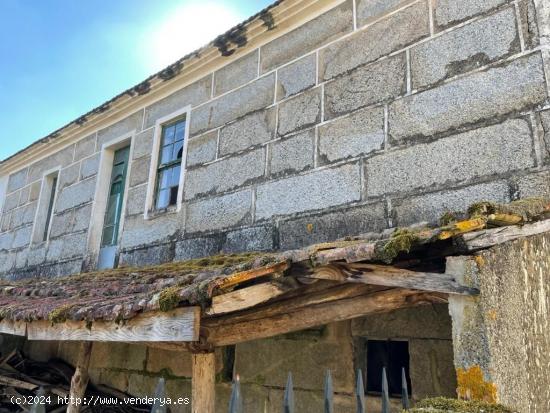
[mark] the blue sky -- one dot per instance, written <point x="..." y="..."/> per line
<point x="61" y="58"/>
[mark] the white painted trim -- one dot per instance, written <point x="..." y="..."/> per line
<point x="42" y="205"/>
<point x="107" y="152"/>
<point x="184" y="112"/>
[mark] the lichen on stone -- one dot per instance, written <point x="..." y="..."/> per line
<point x="473" y="386"/>
<point x="527" y="208"/>
<point x="59" y="314"/>
<point x="445" y="405"/>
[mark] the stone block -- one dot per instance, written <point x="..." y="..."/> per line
<point x="23" y="215"/>
<point x="528" y="17"/>
<point x="249" y="98"/>
<point x="69" y="246"/>
<point x="314" y="191"/>
<point x="219" y="212"/>
<point x="139" y="172"/>
<point x="21" y="259"/>
<point x="294" y="154"/>
<point x="236" y="73"/>
<point x="17" y="180"/>
<point x="464" y="49"/>
<point x="267" y="362"/>
<point x="368" y="10"/>
<point x="7" y="261"/>
<point x="60" y="159"/>
<point x="143" y="143"/>
<point x="449" y="12"/>
<point x="37" y="255"/>
<point x="297" y="76"/>
<point x="34" y="193"/>
<point x="358" y="134"/>
<point x="118" y="356"/>
<point x="6" y="239"/>
<point x="114" y="379"/>
<point x="382" y="38"/>
<point x="73" y="220"/>
<point x="251" y="130"/>
<point x="22" y="237"/>
<point x="149" y="255"/>
<point x="327" y="227"/>
<point x="191" y="248"/>
<point x="460" y="158"/>
<point x="300" y="112"/>
<point x="193" y="94"/>
<point x="545" y="121"/>
<point x="135" y="203"/>
<point x="143" y="232"/>
<point x="90" y="166"/>
<point x="490" y="94"/>
<point x="60" y="269"/>
<point x="431" y="207"/>
<point x="24" y="195"/>
<point x="75" y="195"/>
<point x="225" y="174"/>
<point x="202" y="149"/>
<point x="365" y="86"/>
<point x="11" y="201"/>
<point x="141" y="385"/>
<point x="68" y="176"/>
<point x="122" y="127"/>
<point x="309" y="36"/>
<point x="534" y="185"/>
<point x="177" y="362"/>
<point x="5" y="221"/>
<point x="84" y="148"/>
<point x="250" y="239"/>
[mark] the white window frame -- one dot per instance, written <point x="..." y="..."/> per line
<point x="42" y="207"/>
<point x="150" y="210"/>
<point x="106" y="157"/>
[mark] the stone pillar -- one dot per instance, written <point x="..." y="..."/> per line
<point x="501" y="338"/>
<point x="542" y="10"/>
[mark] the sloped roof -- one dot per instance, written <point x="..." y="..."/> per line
<point x="124" y="293"/>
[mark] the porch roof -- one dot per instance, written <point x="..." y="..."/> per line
<point x="132" y="301"/>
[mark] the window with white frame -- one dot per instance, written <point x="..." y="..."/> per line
<point x="46" y="206"/>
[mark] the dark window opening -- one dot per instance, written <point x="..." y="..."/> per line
<point x="169" y="168"/>
<point x="393" y="355"/>
<point x="51" y="201"/>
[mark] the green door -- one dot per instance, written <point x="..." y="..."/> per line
<point x="113" y="211"/>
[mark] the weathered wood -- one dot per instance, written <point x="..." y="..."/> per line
<point x="228" y="330"/>
<point x="203" y="392"/>
<point x="15" y="328"/>
<point x="491" y="237"/>
<point x="386" y="275"/>
<point x="181" y="324"/>
<point x="79" y="381"/>
<point x="250" y="296"/>
<point x="20" y="384"/>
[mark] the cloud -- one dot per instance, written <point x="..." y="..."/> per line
<point x="187" y="28"/>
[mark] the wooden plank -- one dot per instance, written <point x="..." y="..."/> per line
<point x="389" y="276"/>
<point x="250" y="296"/>
<point x="203" y="384"/>
<point x="227" y="330"/>
<point x="80" y="378"/>
<point x="491" y="237"/>
<point x="20" y="384"/>
<point x="181" y="324"/>
<point x="15" y="328"/>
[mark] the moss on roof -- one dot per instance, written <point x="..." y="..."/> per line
<point x="445" y="405"/>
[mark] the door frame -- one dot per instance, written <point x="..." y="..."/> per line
<point x="101" y="195"/>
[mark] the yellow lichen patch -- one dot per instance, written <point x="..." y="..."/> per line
<point x="60" y="314"/>
<point x="309" y="228"/>
<point x="502" y="220"/>
<point x="462" y="227"/>
<point x="472" y="385"/>
<point x="492" y="315"/>
<point x="527" y="209"/>
<point x="480" y="261"/>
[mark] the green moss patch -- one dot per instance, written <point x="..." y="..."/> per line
<point x="443" y="405"/>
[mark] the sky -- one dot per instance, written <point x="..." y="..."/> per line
<point x="61" y="58"/>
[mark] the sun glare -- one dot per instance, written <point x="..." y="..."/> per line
<point x="187" y="28"/>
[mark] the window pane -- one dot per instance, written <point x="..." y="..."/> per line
<point x="177" y="152"/>
<point x="174" y="195"/>
<point x="175" y="181"/>
<point x="166" y="154"/>
<point x="108" y="235"/>
<point x="163" y="198"/>
<point x="169" y="134"/>
<point x="164" y="178"/>
<point x="180" y="131"/>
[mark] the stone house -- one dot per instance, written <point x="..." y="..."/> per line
<point x="310" y="122"/>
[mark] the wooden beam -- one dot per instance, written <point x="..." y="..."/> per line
<point x="281" y="318"/>
<point x="181" y="324"/>
<point x="491" y="237"/>
<point x="386" y="275"/>
<point x="15" y="328"/>
<point x="203" y="391"/>
<point x="251" y="296"/>
<point x="80" y="378"/>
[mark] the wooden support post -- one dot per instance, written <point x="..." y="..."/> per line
<point x="203" y="391"/>
<point x="79" y="381"/>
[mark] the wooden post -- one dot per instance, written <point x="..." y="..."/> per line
<point x="203" y="391"/>
<point x="79" y="381"/>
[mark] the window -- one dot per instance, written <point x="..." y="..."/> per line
<point x="169" y="167"/>
<point x="51" y="199"/>
<point x="393" y="355"/>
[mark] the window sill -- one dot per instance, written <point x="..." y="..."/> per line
<point x="156" y="213"/>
